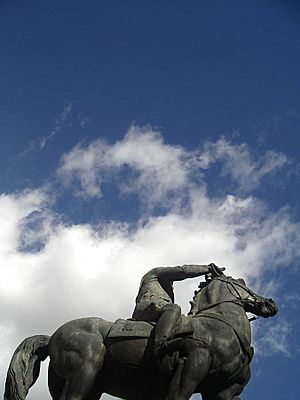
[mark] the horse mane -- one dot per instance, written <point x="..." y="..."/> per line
<point x="194" y="302"/>
<point x="195" y="306"/>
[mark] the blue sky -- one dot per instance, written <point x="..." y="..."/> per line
<point x="136" y="134"/>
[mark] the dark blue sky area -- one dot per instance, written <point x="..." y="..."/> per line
<point x="195" y="70"/>
<point x="202" y="68"/>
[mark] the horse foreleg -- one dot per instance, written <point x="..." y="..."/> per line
<point x="176" y="380"/>
<point x="233" y="391"/>
<point x="190" y="372"/>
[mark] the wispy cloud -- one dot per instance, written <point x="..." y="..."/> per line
<point x="158" y="171"/>
<point x="155" y="169"/>
<point x="240" y="164"/>
<point x="83" y="120"/>
<point x="274" y="337"/>
<point x="60" y="123"/>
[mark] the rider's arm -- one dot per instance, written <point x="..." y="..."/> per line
<point x="180" y="273"/>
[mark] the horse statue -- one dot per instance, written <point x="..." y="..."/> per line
<point x="91" y="356"/>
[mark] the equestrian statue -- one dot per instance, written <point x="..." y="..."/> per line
<point x="158" y="354"/>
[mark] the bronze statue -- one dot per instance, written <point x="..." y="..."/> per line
<point x="91" y="356"/>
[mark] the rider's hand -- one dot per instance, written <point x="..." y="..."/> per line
<point x="215" y="271"/>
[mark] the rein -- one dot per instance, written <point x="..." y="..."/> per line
<point x="249" y="291"/>
<point x="239" y="301"/>
<point x="208" y="307"/>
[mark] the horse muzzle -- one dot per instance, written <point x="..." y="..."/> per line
<point x="269" y="308"/>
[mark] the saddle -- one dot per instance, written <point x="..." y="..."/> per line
<point x="131" y="328"/>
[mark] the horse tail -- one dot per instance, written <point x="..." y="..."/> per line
<point x="24" y="368"/>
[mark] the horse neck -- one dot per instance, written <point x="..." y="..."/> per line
<point x="216" y="298"/>
<point x="215" y="292"/>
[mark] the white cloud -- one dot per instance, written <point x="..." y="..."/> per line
<point x="86" y="269"/>
<point x="13" y="209"/>
<point x="160" y="173"/>
<point x="155" y="168"/>
<point x="83" y="165"/>
<point x="240" y="164"/>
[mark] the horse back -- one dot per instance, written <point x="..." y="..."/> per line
<point x="130" y="328"/>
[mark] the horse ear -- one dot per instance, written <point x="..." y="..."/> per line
<point x="241" y="280"/>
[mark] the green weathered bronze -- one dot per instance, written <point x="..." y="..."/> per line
<point x="157" y="354"/>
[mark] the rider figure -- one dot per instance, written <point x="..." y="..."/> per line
<point x="155" y="301"/>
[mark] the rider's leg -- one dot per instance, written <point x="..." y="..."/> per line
<point x="195" y="368"/>
<point x="166" y="324"/>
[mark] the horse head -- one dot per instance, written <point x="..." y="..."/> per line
<point x="251" y="301"/>
<point x="262" y="307"/>
<point x="235" y="291"/>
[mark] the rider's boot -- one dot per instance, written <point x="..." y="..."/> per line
<point x="166" y="346"/>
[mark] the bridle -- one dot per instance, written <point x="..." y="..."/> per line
<point x="256" y="300"/>
<point x="238" y="299"/>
